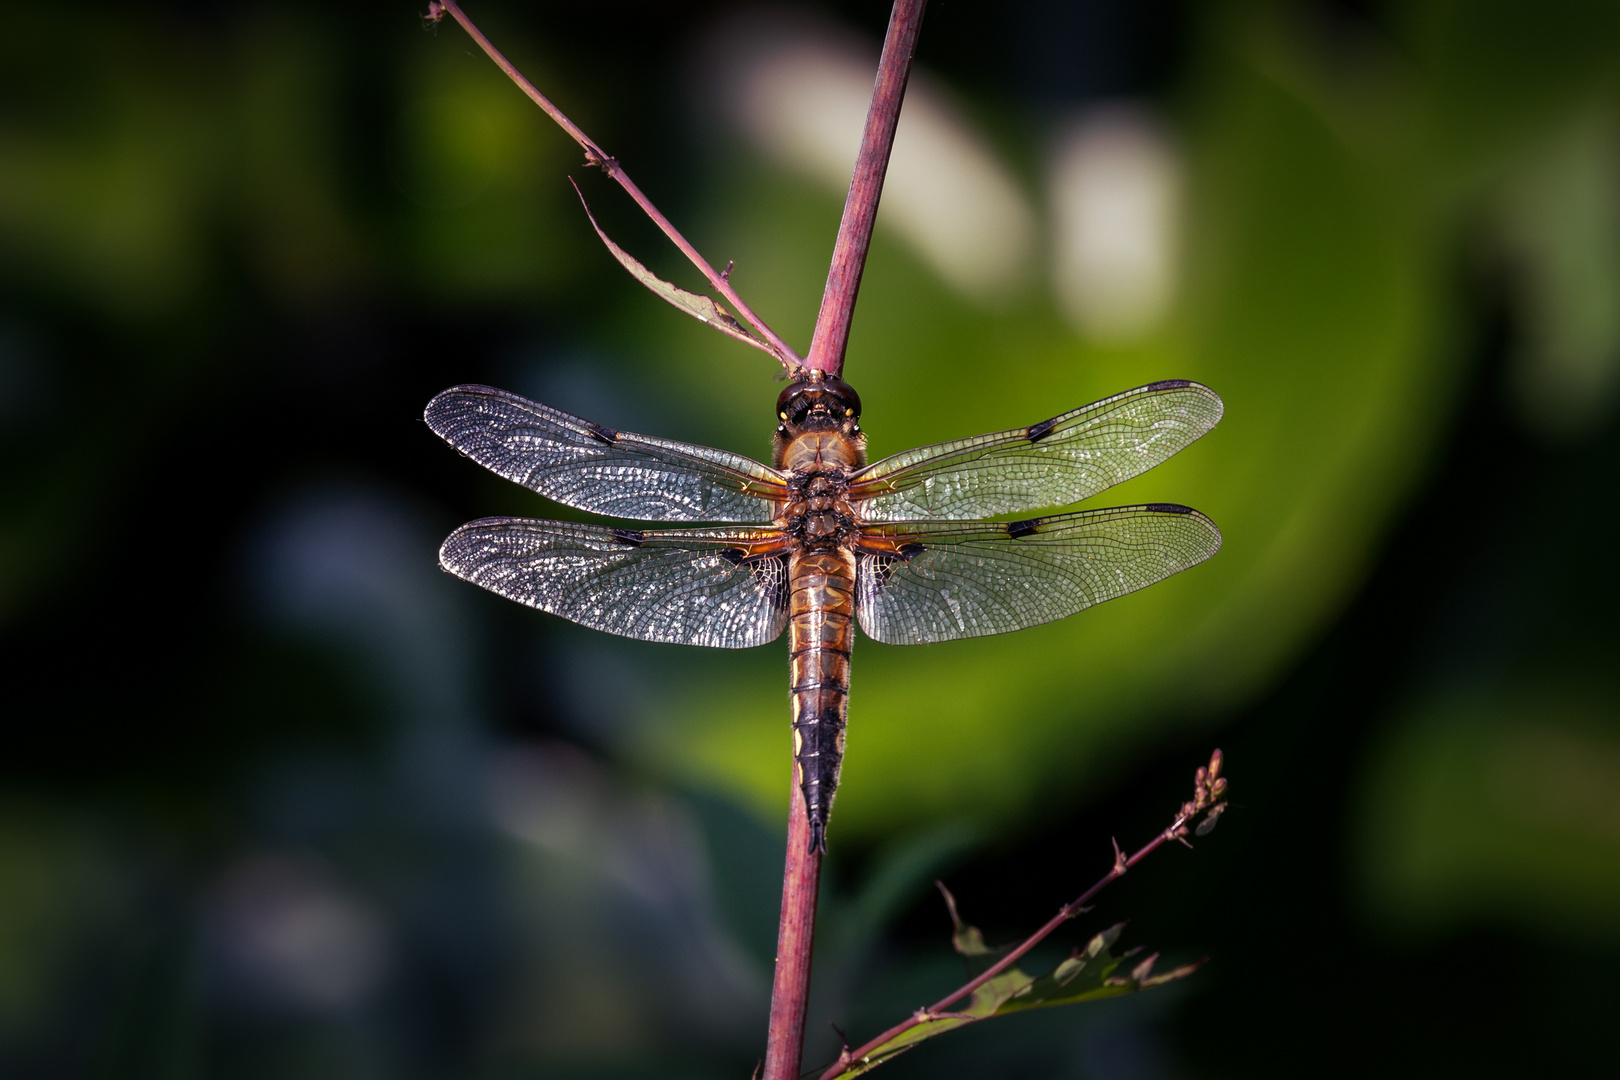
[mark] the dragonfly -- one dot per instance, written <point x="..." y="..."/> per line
<point x="820" y="539"/>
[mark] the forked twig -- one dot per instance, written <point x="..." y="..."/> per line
<point x="600" y="158"/>
<point x="1209" y="789"/>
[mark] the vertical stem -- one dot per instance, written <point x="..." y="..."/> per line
<point x="801" y="874"/>
<point x="860" y="209"/>
<point x="790" y="988"/>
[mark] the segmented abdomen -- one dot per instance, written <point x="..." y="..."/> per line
<point x="821" y="635"/>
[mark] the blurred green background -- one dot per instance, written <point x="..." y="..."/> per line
<point x="280" y="799"/>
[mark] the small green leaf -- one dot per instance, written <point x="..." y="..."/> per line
<point x="968" y="940"/>
<point x="1087" y="975"/>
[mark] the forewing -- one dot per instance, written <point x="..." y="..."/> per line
<point x="1054" y="463"/>
<point x="938" y="581"/>
<point x="724" y="588"/>
<point x="595" y="468"/>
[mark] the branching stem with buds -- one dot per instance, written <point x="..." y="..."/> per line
<point x="1209" y="789"/>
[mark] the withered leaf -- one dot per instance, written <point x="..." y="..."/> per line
<point x="700" y="307"/>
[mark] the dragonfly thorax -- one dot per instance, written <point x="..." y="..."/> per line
<point x="818" y="514"/>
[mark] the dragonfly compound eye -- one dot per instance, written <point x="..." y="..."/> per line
<point x="849" y="402"/>
<point x="834" y="395"/>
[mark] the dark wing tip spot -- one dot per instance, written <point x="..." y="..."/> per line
<point x="1170" y="384"/>
<point x="1037" y="432"/>
<point x="629" y="536"/>
<point x="1027" y="527"/>
<point x="602" y="433"/>
<point x="1169" y="508"/>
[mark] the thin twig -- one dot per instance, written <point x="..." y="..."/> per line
<point x="608" y="164"/>
<point x="1209" y="788"/>
<point x="831" y="336"/>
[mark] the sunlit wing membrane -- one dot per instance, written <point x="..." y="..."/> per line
<point x="595" y="468"/>
<point x="725" y="588"/>
<point x="938" y="581"/>
<point x="1054" y="463"/>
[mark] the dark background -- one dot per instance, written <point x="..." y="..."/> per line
<point x="279" y="799"/>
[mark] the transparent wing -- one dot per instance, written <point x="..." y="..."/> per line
<point x="724" y="588"/>
<point x="938" y="581"/>
<point x="1054" y="463"/>
<point x="594" y="468"/>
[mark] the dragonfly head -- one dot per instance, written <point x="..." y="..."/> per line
<point x="818" y="419"/>
<point x="818" y="403"/>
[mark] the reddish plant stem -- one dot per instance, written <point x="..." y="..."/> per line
<point x="610" y="165"/>
<point x="831" y="336"/>
<point x="801" y="873"/>
<point x="1176" y="831"/>
<point x="790" y="987"/>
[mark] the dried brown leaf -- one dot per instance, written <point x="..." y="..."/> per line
<point x="700" y="307"/>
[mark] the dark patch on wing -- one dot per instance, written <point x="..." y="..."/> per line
<point x="1037" y="432"/>
<point x="1169" y="384"/>
<point x="602" y="433"/>
<point x="772" y="574"/>
<point x="911" y="551"/>
<point x="880" y="567"/>
<point x="734" y="556"/>
<point x="1168" y="508"/>
<point x="629" y="536"/>
<point x="1027" y="527"/>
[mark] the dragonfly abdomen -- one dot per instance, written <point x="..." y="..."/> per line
<point x="821" y="636"/>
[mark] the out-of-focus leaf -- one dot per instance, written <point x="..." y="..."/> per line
<point x="1494" y="71"/>
<point x="1560" y="221"/>
<point x="111" y="213"/>
<point x="485" y="213"/>
<point x="62" y="891"/>
<point x="901" y="869"/>
<point x="1497" y="806"/>
<point x="1089" y="974"/>
<point x="701" y="308"/>
<point x="303" y="237"/>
